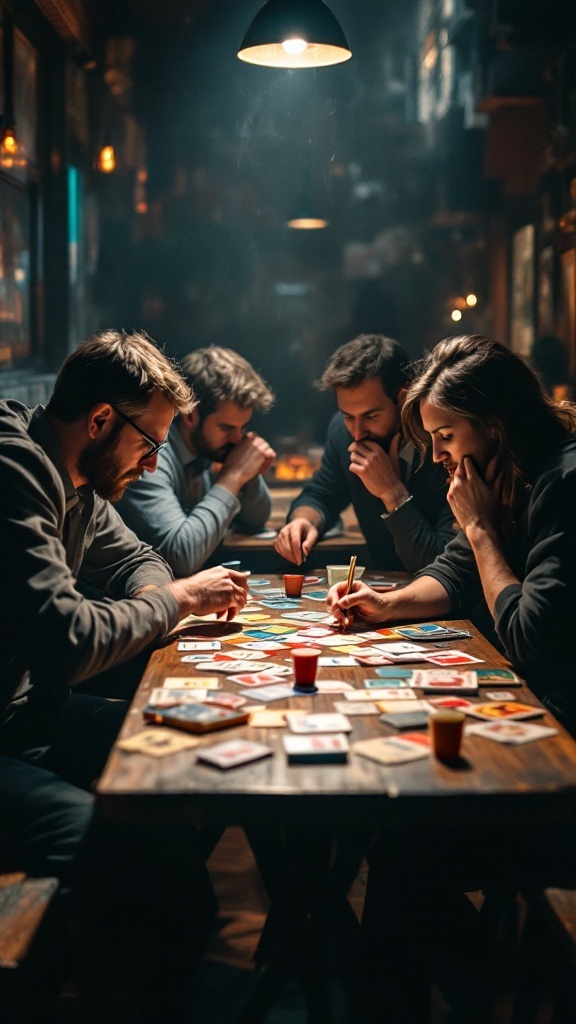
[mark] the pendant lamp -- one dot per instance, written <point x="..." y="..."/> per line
<point x="294" y="34"/>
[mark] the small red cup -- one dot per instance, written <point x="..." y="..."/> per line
<point x="293" y="585"/>
<point x="305" y="662"/>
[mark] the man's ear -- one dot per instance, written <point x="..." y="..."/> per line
<point x="100" y="420"/>
<point x="401" y="397"/>
<point x="191" y="419"/>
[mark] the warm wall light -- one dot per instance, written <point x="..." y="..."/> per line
<point x="12" y="153"/>
<point x="294" y="34"/>
<point x="456" y="314"/>
<point x="106" y="159"/>
<point x="471" y="299"/>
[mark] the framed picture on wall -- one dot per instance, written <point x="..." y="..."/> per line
<point x="546" y="291"/>
<point x="568" y="302"/>
<point x="522" y="291"/>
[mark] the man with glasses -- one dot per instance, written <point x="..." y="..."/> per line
<point x="109" y="416"/>
<point x="184" y="509"/>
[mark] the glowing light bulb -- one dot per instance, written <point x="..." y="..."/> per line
<point x="107" y="160"/>
<point x="471" y="299"/>
<point x="294" y="46"/>
<point x="456" y="314"/>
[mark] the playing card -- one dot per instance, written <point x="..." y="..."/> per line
<point x="405" y="719"/>
<point x="233" y="753"/>
<point x="306" y="616"/>
<point x="263" y="645"/>
<point x="317" y="595"/>
<point x="445" y="681"/>
<point x="335" y="661"/>
<point x="256" y="581"/>
<point x="333" y="686"/>
<point x="372" y="660"/>
<point x="391" y="749"/>
<point x="199" y="645"/>
<point x="377" y="684"/>
<point x="432" y="631"/>
<point x="401" y="647"/>
<point x="313" y="631"/>
<point x="230" y="667"/>
<point x="225" y="700"/>
<point x="500" y="695"/>
<point x="279" y="604"/>
<point x="310" y="579"/>
<point x="163" y="698"/>
<point x="511" y="732"/>
<point x="247" y="618"/>
<point x="280" y="691"/>
<point x="400" y="707"/>
<point x="267" y="718"/>
<point x="194" y="683"/>
<point x="191" y="659"/>
<point x="504" y="709"/>
<point x="332" y="749"/>
<point x="452" y="658"/>
<point x="392" y="693"/>
<point x="394" y="672"/>
<point x="453" y="703"/>
<point x="318" y="723"/>
<point x="157" y="742"/>
<point x="270" y="631"/>
<point x="500" y="676"/>
<point x="356" y="707"/>
<point x="264" y="678"/>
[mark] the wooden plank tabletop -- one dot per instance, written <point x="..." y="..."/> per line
<point x="492" y="782"/>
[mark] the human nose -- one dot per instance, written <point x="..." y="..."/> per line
<point x="150" y="462"/>
<point x="237" y="435"/>
<point x="438" y="452"/>
<point x="359" y="432"/>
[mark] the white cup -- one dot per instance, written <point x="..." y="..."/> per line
<point x="336" y="573"/>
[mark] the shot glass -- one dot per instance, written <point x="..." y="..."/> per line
<point x="446" y="733"/>
<point x="305" y="662"/>
<point x="293" y="585"/>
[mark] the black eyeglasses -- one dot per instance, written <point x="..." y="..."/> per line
<point x="155" y="446"/>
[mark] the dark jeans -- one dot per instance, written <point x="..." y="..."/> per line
<point x="140" y="892"/>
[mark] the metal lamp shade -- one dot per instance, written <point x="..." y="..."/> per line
<point x="279" y="21"/>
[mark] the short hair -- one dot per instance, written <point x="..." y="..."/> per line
<point x="484" y="381"/>
<point x="367" y="357"/>
<point x="221" y="375"/>
<point x="122" y="369"/>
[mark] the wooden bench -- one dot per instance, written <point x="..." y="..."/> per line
<point x="23" y="903"/>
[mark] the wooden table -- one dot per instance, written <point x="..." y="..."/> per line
<point x="493" y="783"/>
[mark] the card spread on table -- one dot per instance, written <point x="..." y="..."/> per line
<point x="264" y="678"/>
<point x="225" y="700"/>
<point x="356" y="707"/>
<point x="332" y="749"/>
<point x="393" y="672"/>
<point x="452" y="658"/>
<point x="164" y="698"/>
<point x="511" y="732"/>
<point x="157" y="742"/>
<point x="196" y="717"/>
<point x="200" y="645"/>
<point x="336" y="661"/>
<point x="280" y="691"/>
<point x="279" y="604"/>
<point x="499" y="695"/>
<point x="377" y="684"/>
<point x="432" y="631"/>
<point x="318" y="723"/>
<point x="231" y="665"/>
<point x="405" y="719"/>
<point x="504" y="709"/>
<point x="400" y="707"/>
<point x="192" y="683"/>
<point x="233" y="753"/>
<point x="263" y="645"/>
<point x="453" y="703"/>
<point x="333" y="686"/>
<point x="305" y="616"/>
<point x="392" y="693"/>
<point x="500" y="676"/>
<point x="393" y="749"/>
<point x="435" y="680"/>
<point x="401" y="647"/>
<point x="270" y="631"/>
<point x="191" y="659"/>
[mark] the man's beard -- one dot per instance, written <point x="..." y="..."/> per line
<point x="100" y="466"/>
<point x="202" y="448"/>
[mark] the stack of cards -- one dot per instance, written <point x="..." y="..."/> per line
<point x="196" y="717"/>
<point x="498" y="710"/>
<point x="394" y="749"/>
<point x="331" y="749"/>
<point x="233" y="753"/>
<point x="438" y="681"/>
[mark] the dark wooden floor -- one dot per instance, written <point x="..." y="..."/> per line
<point x="226" y="978"/>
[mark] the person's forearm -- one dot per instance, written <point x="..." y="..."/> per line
<point x="425" y="598"/>
<point x="493" y="569"/>
<point x="307" y="512"/>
